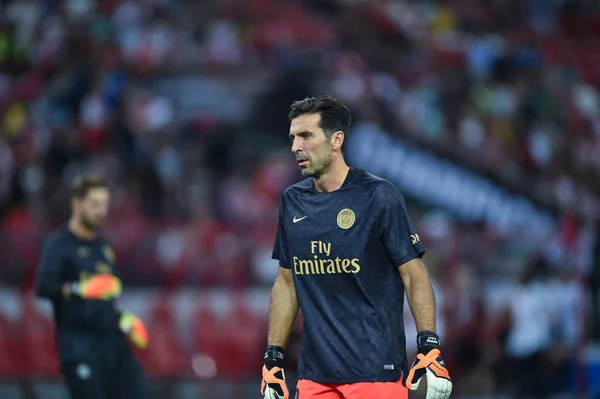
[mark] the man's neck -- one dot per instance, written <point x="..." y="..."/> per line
<point x="333" y="179"/>
<point x="80" y="231"/>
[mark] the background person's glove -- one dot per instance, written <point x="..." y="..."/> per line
<point x="132" y="326"/>
<point x="99" y="286"/>
<point x="273" y="384"/>
<point x="429" y="361"/>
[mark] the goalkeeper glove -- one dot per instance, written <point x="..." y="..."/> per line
<point x="429" y="361"/>
<point x="273" y="384"/>
<point x="132" y="326"/>
<point x="99" y="286"/>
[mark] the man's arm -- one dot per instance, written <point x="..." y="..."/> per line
<point x="283" y="309"/>
<point x="48" y="284"/>
<point x="429" y="357"/>
<point x="419" y="293"/>
<point x="405" y="249"/>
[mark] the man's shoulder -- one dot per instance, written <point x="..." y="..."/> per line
<point x="360" y="178"/>
<point x="56" y="238"/>
<point x="60" y="233"/>
<point x="303" y="186"/>
<point x="369" y="179"/>
<point x="372" y="182"/>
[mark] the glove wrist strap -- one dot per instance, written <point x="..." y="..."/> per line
<point x="274" y="356"/>
<point x="76" y="289"/>
<point x="428" y="338"/>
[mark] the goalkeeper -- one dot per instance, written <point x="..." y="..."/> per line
<point x="347" y="253"/>
<point x="76" y="273"/>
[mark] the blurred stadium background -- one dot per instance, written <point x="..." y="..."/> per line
<point x="486" y="114"/>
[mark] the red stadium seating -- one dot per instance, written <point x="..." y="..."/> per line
<point x="205" y="324"/>
<point x="206" y="336"/>
<point x="21" y="245"/>
<point x="164" y="356"/>
<point x="11" y="360"/>
<point x="247" y="335"/>
<point x="39" y="347"/>
<point x="235" y="343"/>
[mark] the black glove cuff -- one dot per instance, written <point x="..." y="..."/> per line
<point x="428" y="338"/>
<point x="274" y="356"/>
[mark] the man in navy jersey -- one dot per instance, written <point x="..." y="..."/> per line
<point x="77" y="274"/>
<point x="347" y="253"/>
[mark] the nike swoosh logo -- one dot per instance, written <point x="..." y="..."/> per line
<point x="296" y="220"/>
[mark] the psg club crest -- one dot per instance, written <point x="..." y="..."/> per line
<point x="346" y="218"/>
<point x="83" y="252"/>
<point x="109" y="254"/>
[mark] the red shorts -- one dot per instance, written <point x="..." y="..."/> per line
<point x="359" y="390"/>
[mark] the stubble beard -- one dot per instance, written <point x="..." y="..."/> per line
<point x="317" y="171"/>
<point x="318" y="166"/>
<point x="308" y="172"/>
<point x="87" y="223"/>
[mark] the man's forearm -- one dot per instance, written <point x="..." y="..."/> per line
<point x="53" y="289"/>
<point x="421" y="300"/>
<point x="283" y="312"/>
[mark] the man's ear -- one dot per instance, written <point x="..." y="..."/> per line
<point x="337" y="139"/>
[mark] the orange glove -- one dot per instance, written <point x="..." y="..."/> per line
<point x="273" y="385"/>
<point x="429" y="363"/>
<point x="99" y="286"/>
<point x="132" y="326"/>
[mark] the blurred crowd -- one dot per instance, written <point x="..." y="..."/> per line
<point x="182" y="104"/>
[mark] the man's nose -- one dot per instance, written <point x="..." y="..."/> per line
<point x="296" y="146"/>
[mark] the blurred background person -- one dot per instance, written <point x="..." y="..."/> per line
<point x="484" y="114"/>
<point x="78" y="274"/>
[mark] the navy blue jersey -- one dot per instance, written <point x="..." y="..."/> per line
<point x="344" y="249"/>
<point x="84" y="327"/>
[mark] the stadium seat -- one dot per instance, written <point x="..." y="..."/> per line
<point x="11" y="360"/>
<point x="205" y="325"/>
<point x="164" y="356"/>
<point x="224" y="341"/>
<point x="248" y="332"/>
<point x="39" y="347"/>
<point x="21" y="246"/>
<point x="234" y="342"/>
<point x="206" y="336"/>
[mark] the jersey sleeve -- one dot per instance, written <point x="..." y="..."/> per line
<point x="48" y="279"/>
<point x="395" y="228"/>
<point x="280" y="248"/>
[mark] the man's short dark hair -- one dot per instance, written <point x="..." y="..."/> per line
<point x="84" y="184"/>
<point x="335" y="116"/>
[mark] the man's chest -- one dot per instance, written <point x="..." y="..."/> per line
<point x="90" y="259"/>
<point x="328" y="228"/>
